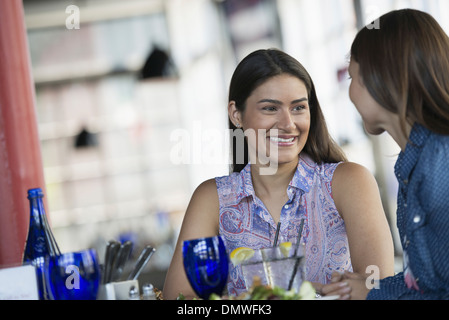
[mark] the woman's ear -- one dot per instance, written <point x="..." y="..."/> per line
<point x="234" y="114"/>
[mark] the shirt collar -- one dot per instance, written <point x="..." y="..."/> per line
<point x="247" y="188"/>
<point x="418" y="136"/>
<point x="302" y="179"/>
<point x="407" y="159"/>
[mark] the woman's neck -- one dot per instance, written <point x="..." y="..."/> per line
<point x="273" y="183"/>
<point x="399" y="136"/>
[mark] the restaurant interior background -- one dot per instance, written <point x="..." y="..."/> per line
<point x="125" y="145"/>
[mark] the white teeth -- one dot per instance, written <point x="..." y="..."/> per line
<point x="277" y="139"/>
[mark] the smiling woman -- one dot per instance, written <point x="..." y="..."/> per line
<point x="255" y="70"/>
<point x="275" y="108"/>
<point x="345" y="228"/>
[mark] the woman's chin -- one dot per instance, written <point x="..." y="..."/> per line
<point x="375" y="131"/>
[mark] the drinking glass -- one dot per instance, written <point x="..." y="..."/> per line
<point x="206" y="265"/>
<point x="276" y="268"/>
<point x="73" y="275"/>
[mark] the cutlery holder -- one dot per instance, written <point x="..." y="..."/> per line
<point x="118" y="290"/>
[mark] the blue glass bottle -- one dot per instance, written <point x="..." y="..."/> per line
<point x="40" y="240"/>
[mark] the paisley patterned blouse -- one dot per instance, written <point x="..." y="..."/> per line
<point x="244" y="220"/>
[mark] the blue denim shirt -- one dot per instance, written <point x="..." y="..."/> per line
<point x="422" y="218"/>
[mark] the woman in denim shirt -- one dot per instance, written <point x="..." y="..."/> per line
<point x="400" y="84"/>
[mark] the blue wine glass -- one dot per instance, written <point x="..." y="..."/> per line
<point x="206" y="265"/>
<point x="73" y="275"/>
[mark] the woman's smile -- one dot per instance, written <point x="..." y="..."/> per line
<point x="283" y="141"/>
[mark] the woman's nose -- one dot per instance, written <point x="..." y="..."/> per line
<point x="285" y="121"/>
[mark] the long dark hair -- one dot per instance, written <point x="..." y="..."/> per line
<point x="258" y="67"/>
<point x="404" y="65"/>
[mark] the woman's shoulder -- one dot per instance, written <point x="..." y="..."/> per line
<point x="219" y="188"/>
<point x="231" y="181"/>
<point x="351" y="172"/>
<point x="351" y="178"/>
<point x="308" y="167"/>
<point x="206" y="188"/>
<point x="432" y="173"/>
<point x="356" y="193"/>
<point x="431" y="168"/>
<point x="351" y="168"/>
<point x="436" y="149"/>
<point x="205" y="197"/>
<point x="233" y="187"/>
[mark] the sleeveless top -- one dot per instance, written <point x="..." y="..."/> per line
<point x="244" y="220"/>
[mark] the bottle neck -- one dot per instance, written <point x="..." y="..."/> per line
<point x="39" y="220"/>
<point x="37" y="213"/>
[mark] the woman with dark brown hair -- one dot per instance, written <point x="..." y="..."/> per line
<point x="289" y="171"/>
<point x="400" y="84"/>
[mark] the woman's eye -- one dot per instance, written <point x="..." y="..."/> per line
<point x="299" y="108"/>
<point x="269" y="108"/>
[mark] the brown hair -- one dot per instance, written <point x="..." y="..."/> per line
<point x="404" y="65"/>
<point x="262" y="65"/>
